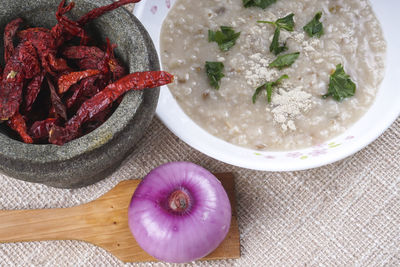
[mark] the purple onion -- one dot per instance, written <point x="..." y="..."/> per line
<point x="180" y="212"/>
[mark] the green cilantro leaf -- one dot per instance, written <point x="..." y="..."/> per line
<point x="315" y="27"/>
<point x="284" y="61"/>
<point x="275" y="47"/>
<point x="340" y="85"/>
<point x="286" y="23"/>
<point x="214" y="73"/>
<point x="268" y="86"/>
<point x="258" y="3"/>
<point x="258" y="91"/>
<point x="225" y="38"/>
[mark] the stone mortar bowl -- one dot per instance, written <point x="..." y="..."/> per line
<point x="91" y="158"/>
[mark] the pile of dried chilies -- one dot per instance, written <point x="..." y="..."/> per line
<point x="52" y="91"/>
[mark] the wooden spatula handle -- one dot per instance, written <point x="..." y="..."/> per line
<point x="102" y="222"/>
<point x="31" y="225"/>
<point x="87" y="222"/>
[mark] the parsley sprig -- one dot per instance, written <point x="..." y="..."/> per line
<point x="214" y="73"/>
<point x="225" y="38"/>
<point x="258" y="3"/>
<point x="284" y="61"/>
<point x="340" y="85"/>
<point x="286" y="23"/>
<point x="315" y="27"/>
<point x="275" y="47"/>
<point x="268" y="86"/>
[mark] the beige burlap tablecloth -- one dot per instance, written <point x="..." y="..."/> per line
<point x="343" y="214"/>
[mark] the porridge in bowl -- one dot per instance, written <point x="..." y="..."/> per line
<point x="346" y="53"/>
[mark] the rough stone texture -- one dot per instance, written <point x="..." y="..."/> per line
<point x="92" y="157"/>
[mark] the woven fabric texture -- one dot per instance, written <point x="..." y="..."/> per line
<point x="343" y="214"/>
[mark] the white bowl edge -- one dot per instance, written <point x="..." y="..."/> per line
<point x="353" y="140"/>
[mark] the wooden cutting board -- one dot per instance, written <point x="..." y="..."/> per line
<point x="104" y="223"/>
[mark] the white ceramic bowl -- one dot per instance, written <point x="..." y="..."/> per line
<point x="379" y="117"/>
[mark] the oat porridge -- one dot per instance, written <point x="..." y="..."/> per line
<point x="292" y="113"/>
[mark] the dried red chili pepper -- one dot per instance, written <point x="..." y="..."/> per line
<point x="18" y="124"/>
<point x="36" y="56"/>
<point x="67" y="80"/>
<point x="9" y="33"/>
<point x="93" y="85"/>
<point x="58" y="105"/>
<point x="32" y="91"/>
<point x="46" y="45"/>
<point x="60" y="135"/>
<point x="116" y="69"/>
<point x="133" y="81"/>
<point x="75" y="28"/>
<point x="76" y="91"/>
<point x="88" y="57"/>
<point x="72" y="28"/>
<point x="23" y="65"/>
<point x="41" y="129"/>
<point x="79" y="52"/>
<point x="25" y="59"/>
<point x="82" y="91"/>
<point x="91" y="57"/>
<point x="103" y="99"/>
<point x="91" y="63"/>
<point x="57" y="64"/>
<point x="58" y="30"/>
<point x="97" y="120"/>
<point x="97" y="12"/>
<point x="47" y="41"/>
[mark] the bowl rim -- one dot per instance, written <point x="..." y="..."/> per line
<point x="182" y="126"/>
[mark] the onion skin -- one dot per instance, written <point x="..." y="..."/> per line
<point x="179" y="236"/>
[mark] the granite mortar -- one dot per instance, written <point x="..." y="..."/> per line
<point x="91" y="158"/>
